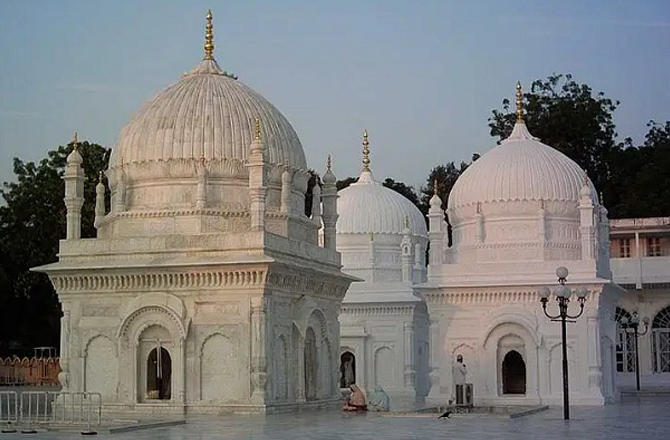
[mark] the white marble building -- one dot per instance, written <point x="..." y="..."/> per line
<point x="519" y="212"/>
<point x="640" y="249"/>
<point x="382" y="238"/>
<point x="206" y="289"/>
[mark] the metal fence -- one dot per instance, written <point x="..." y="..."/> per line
<point x="31" y="409"/>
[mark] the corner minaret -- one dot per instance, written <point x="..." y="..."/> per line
<point x="257" y="179"/>
<point x="519" y="104"/>
<point x="329" y="203"/>
<point x="74" y="191"/>
<point x="406" y="249"/>
<point x="99" y="202"/>
<point x="435" y="233"/>
<point x="587" y="221"/>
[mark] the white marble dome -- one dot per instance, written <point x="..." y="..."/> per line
<point x="520" y="169"/>
<point x="368" y="207"/>
<point x="210" y="114"/>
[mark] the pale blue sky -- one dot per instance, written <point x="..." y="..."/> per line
<point x="422" y="76"/>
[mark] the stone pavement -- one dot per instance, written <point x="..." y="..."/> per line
<point x="645" y="418"/>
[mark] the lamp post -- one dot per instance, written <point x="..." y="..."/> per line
<point x="563" y="294"/>
<point x="634" y="323"/>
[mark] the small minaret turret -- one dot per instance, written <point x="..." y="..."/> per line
<point x="586" y="221"/>
<point x="435" y="234"/>
<point x="286" y="180"/>
<point x="74" y="191"/>
<point x="201" y="193"/>
<point x="99" y="202"/>
<point x="406" y="249"/>
<point x="329" y="197"/>
<point x="479" y="233"/>
<point x="257" y="177"/>
<point x="316" y="203"/>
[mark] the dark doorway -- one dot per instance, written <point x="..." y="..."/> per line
<point x="311" y="365"/>
<point x="159" y="375"/>
<point x="514" y="373"/>
<point x="347" y="369"/>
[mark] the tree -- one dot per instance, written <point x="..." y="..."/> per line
<point x="396" y="185"/>
<point x="405" y="190"/>
<point x="569" y="117"/>
<point x="32" y="222"/>
<point x="445" y="177"/>
<point x="640" y="176"/>
<point x="344" y="183"/>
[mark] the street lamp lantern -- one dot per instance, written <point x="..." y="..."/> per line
<point x="634" y="324"/>
<point x="563" y="294"/>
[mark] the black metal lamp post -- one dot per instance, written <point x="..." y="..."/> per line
<point x="563" y="294"/>
<point x="634" y="323"/>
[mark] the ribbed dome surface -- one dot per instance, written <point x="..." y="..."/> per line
<point x="207" y="113"/>
<point x="367" y="207"/>
<point x="521" y="168"/>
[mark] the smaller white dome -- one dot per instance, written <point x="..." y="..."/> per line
<point x="368" y="207"/>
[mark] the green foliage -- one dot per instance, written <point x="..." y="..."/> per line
<point x="344" y="183"/>
<point x="32" y="221"/>
<point x="401" y="188"/>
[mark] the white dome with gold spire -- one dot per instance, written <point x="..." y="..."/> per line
<point x="520" y="169"/>
<point x="207" y="114"/>
<point x="368" y="207"/>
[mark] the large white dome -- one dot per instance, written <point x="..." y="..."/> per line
<point x="208" y="113"/>
<point x="520" y="169"/>
<point x="368" y="207"/>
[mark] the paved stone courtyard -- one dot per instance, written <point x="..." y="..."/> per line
<point x="645" y="418"/>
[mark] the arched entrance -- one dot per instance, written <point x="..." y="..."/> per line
<point x="514" y="373"/>
<point x="660" y="336"/>
<point x="159" y="374"/>
<point x="311" y="365"/>
<point x="347" y="369"/>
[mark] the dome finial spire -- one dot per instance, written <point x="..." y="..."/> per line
<point x="209" y="37"/>
<point x="328" y="163"/>
<point x="75" y="142"/>
<point x="366" y="151"/>
<point x="257" y="129"/>
<point x="519" y="103"/>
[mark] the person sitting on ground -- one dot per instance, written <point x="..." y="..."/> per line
<point x="379" y="400"/>
<point x="356" y="400"/>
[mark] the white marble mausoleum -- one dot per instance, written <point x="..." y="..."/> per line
<point x="206" y="289"/>
<point x="382" y="238"/>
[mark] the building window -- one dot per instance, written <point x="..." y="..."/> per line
<point x="624" y="248"/>
<point x="625" y="346"/>
<point x="653" y="247"/>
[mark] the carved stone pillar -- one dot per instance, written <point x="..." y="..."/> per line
<point x="409" y="370"/>
<point x="63" y="376"/>
<point x="258" y="358"/>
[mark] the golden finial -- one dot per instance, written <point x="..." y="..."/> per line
<point x="75" y="142"/>
<point x="366" y="151"/>
<point x="328" y="163"/>
<point x="519" y="103"/>
<point x="435" y="187"/>
<point x="209" y="37"/>
<point x="257" y="129"/>
<point x="100" y="177"/>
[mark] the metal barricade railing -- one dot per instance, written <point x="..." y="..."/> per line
<point x="39" y="408"/>
<point x="76" y="408"/>
<point x="9" y="410"/>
